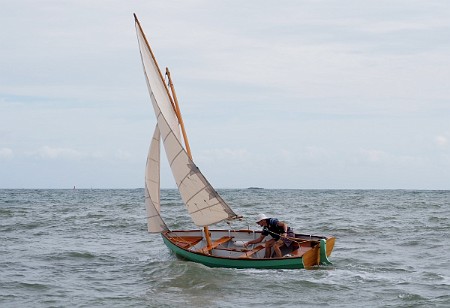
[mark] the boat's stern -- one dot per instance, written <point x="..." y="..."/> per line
<point x="318" y="255"/>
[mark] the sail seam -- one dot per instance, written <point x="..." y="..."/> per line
<point x="175" y="157"/>
<point x="170" y="130"/>
<point x="149" y="197"/>
<point x="182" y="180"/>
<point x="156" y="215"/>
<point x="196" y="195"/>
<point x="212" y="205"/>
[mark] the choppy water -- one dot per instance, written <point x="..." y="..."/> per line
<point x="90" y="248"/>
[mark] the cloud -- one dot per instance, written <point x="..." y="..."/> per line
<point x="233" y="155"/>
<point x="47" y="152"/>
<point x="441" y="141"/>
<point x="396" y="26"/>
<point x="123" y="155"/>
<point x="6" y="153"/>
<point x="323" y="88"/>
<point x="374" y="155"/>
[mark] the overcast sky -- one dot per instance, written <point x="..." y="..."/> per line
<point x="275" y="94"/>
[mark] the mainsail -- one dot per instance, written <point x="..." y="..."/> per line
<point x="203" y="203"/>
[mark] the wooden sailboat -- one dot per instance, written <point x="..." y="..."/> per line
<point x="215" y="248"/>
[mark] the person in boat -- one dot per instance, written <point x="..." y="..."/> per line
<point x="278" y="230"/>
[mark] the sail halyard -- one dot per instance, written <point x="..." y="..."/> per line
<point x="203" y="203"/>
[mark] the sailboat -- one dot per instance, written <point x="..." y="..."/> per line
<point x="211" y="247"/>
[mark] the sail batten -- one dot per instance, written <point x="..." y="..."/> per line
<point x="210" y="207"/>
<point x="175" y="157"/>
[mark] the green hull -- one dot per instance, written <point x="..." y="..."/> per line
<point x="212" y="261"/>
<point x="274" y="263"/>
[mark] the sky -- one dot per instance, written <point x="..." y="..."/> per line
<point x="274" y="94"/>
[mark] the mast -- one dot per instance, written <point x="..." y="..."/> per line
<point x="186" y="141"/>
<point x="178" y="113"/>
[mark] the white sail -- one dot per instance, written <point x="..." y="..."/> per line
<point x="152" y="186"/>
<point x="202" y="202"/>
<point x="156" y="84"/>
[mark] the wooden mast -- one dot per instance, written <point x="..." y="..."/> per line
<point x="178" y="113"/>
<point x="186" y="142"/>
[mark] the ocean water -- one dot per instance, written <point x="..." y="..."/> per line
<point x="90" y="248"/>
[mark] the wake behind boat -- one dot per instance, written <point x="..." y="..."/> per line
<point x="215" y="248"/>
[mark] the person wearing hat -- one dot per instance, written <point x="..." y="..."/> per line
<point x="278" y="230"/>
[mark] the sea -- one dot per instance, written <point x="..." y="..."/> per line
<point x="91" y="248"/>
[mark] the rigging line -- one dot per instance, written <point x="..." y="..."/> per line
<point x="293" y="239"/>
